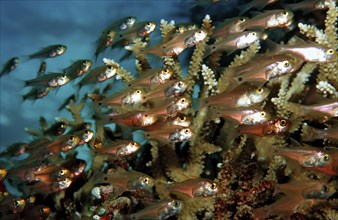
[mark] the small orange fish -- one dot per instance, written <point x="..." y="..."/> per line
<point x="9" y="66"/>
<point x="63" y="143"/>
<point x="228" y="26"/>
<point x="134" y="119"/>
<point x="78" y="68"/>
<point x="320" y="111"/>
<point x="138" y="30"/>
<point x="310" y="133"/>
<point x="56" y="129"/>
<point x="313" y="159"/>
<point x="276" y="126"/>
<point x="241" y="96"/>
<point x="308" y="51"/>
<point x="308" y="6"/>
<point x="98" y="74"/>
<point x="49" y="52"/>
<point x="171" y="135"/>
<point x="177" y="44"/>
<point x="269" y="19"/>
<point x="244" y="116"/>
<point x="120" y="148"/>
<point x="162" y="209"/>
<point x="153" y="77"/>
<point x="128" y="180"/>
<point x="296" y="194"/>
<point x="194" y="188"/>
<point x="235" y="42"/>
<point x="171" y="88"/>
<point x="171" y="107"/>
<point x="49" y="80"/>
<point x="257" y="4"/>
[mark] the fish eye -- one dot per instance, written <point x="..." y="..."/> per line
<point x="183" y="100"/>
<point x="283" y="122"/>
<point x="213" y="186"/>
<point x="176" y="204"/>
<point x="326" y="157"/>
<point x="269" y="131"/>
<point x="186" y="131"/>
<point x="253" y="33"/>
<point x="259" y="90"/>
<point x="286" y="63"/>
<point x="138" y="91"/>
<point x="330" y="51"/>
<point x="146" y="180"/>
<point x="242" y="19"/>
<point x="263" y="114"/>
<point x="284" y="12"/>
<point x="149" y="24"/>
<point x="325" y="189"/>
<point x="72" y="138"/>
<point x="183" y="118"/>
<point x="134" y="143"/>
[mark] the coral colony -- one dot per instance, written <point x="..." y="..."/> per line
<point x="252" y="139"/>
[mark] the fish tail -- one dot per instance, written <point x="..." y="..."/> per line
<point x="126" y="56"/>
<point x="208" y="50"/>
<point x="244" y="8"/>
<point x="309" y="133"/>
<point x="297" y="109"/>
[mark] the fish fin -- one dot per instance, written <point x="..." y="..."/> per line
<point x="244" y="8"/>
<point x="208" y="50"/>
<point x="308" y="133"/>
<point x="127" y="55"/>
<point x="273" y="46"/>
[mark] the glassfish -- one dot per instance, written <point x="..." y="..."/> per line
<point x="308" y="51"/>
<point x="241" y="96"/>
<point x="171" y="107"/>
<point x="177" y="43"/>
<point x="235" y="42"/>
<point x="159" y="210"/>
<point x="310" y="133"/>
<point x="194" y="188"/>
<point x="48" y="52"/>
<point x="9" y="66"/>
<point x="78" y="68"/>
<point x="308" y="6"/>
<point x="171" y="88"/>
<point x="50" y="79"/>
<point x="275" y="126"/>
<point x="228" y="26"/>
<point x="119" y="148"/>
<point x="172" y="135"/>
<point x="321" y="111"/>
<point x="56" y="129"/>
<point x="153" y="77"/>
<point x="138" y="30"/>
<point x="134" y="119"/>
<point x="296" y="193"/>
<point x="269" y="19"/>
<point x="98" y="74"/>
<point x="313" y="159"/>
<point x="128" y="180"/>
<point x="280" y="67"/>
<point x="257" y="4"/>
<point x="244" y="116"/>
